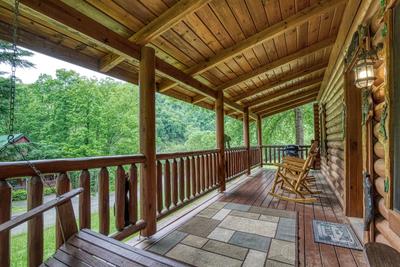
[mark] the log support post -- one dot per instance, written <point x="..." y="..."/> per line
<point x="246" y="139"/>
<point x="259" y="138"/>
<point x="5" y="215"/>
<point x="147" y="125"/>
<point x="219" y="110"/>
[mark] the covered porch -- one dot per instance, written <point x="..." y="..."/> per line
<point x="247" y="59"/>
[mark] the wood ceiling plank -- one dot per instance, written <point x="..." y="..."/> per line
<point x="280" y="81"/>
<point x="162" y="24"/>
<point x="277" y="104"/>
<point x="260" y="37"/>
<point x="308" y="84"/>
<point x="286" y="108"/>
<point x="278" y="63"/>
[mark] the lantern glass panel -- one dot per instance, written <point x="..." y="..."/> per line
<point x="364" y="72"/>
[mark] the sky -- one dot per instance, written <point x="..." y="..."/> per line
<point x="47" y="65"/>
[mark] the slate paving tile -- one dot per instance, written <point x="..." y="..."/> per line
<point x="235" y="206"/>
<point x="250" y="241"/>
<point x="271" y="263"/>
<point x="198" y="257"/>
<point x="245" y="214"/>
<point x="269" y="218"/>
<point x="221" y="234"/>
<point x="217" y="205"/>
<point x="282" y="251"/>
<point x="254" y="258"/>
<point x="249" y="226"/>
<point x="274" y="212"/>
<point x="194" y="241"/>
<point x="226" y="249"/>
<point x="286" y="229"/>
<point x="207" y="213"/>
<point x="199" y="226"/>
<point x="168" y="242"/>
<point x="220" y="215"/>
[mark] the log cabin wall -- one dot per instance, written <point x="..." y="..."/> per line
<point x="332" y="156"/>
<point x="387" y="221"/>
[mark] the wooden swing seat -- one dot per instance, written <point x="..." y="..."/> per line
<point x="85" y="247"/>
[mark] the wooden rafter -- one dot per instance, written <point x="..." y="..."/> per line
<point x="155" y="28"/>
<point x="309" y="84"/>
<point x="288" y="107"/>
<point x="273" y="65"/>
<point x="64" y="16"/>
<point x="281" y="81"/>
<point x="287" y="101"/>
<point x="260" y="37"/>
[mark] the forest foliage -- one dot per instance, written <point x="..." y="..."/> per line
<point x="70" y="115"/>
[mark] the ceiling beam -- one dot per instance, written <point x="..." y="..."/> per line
<point x="280" y="81"/>
<point x="155" y="28"/>
<point x="312" y="83"/>
<point x="287" y="100"/>
<point x="56" y="12"/>
<point x="265" y="35"/>
<point x="273" y="65"/>
<point x="286" y="108"/>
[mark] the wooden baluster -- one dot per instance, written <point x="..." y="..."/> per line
<point x="181" y="180"/>
<point x="198" y="186"/>
<point x="63" y="185"/>
<point x="159" y="187"/>
<point x="187" y="172"/>
<point x="193" y="174"/>
<point x="84" y="200"/>
<point x="104" y="202"/>
<point x="209" y="163"/>
<point x="167" y="184"/>
<point x="133" y="194"/>
<point x="212" y="170"/>
<point x="205" y="176"/>
<point x="35" y="225"/>
<point x="228" y="157"/>
<point x="174" y="182"/>
<point x="120" y="193"/>
<point x="203" y="173"/>
<point x="216" y="182"/>
<point x="270" y="155"/>
<point x="5" y="215"/>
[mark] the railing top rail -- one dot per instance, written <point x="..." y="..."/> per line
<point x="301" y="146"/>
<point x="172" y="155"/>
<point x="22" y="168"/>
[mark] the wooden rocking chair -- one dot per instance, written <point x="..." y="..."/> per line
<point x="293" y="177"/>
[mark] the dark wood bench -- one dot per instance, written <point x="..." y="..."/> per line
<point x="85" y="247"/>
<point x="381" y="255"/>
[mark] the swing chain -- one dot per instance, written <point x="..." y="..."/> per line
<point x="11" y="141"/>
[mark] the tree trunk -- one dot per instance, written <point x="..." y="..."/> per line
<point x="298" y="117"/>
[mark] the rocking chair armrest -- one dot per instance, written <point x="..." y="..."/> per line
<point x="289" y="167"/>
<point x="290" y="158"/>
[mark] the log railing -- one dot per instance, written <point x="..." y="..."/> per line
<point x="183" y="177"/>
<point x="274" y="153"/>
<point x="122" y="169"/>
<point x="236" y="160"/>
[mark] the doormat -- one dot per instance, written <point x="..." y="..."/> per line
<point x="335" y="234"/>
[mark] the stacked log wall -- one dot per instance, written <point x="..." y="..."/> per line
<point x="332" y="161"/>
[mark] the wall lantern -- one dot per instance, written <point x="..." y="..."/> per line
<point x="364" y="73"/>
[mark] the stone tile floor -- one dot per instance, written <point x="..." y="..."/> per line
<point x="229" y="234"/>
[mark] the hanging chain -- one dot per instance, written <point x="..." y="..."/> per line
<point x="13" y="78"/>
<point x="13" y="70"/>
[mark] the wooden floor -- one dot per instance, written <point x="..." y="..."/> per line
<point x="255" y="192"/>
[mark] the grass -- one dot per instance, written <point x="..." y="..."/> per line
<point x="19" y="254"/>
<point x="18" y="209"/>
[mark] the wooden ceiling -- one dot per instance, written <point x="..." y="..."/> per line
<point x="267" y="55"/>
